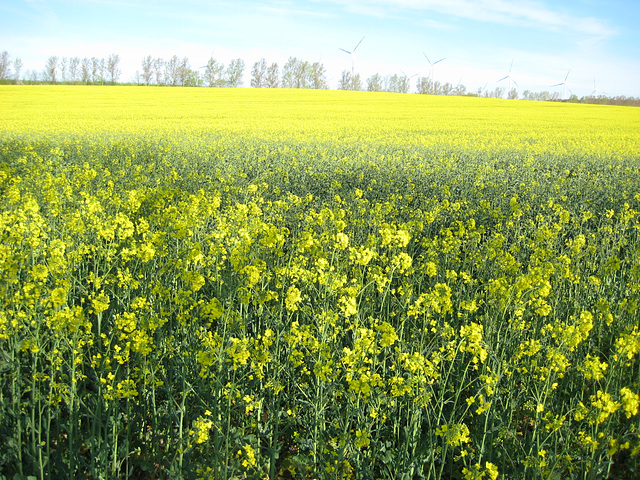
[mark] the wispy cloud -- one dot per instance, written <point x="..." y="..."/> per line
<point x="528" y="13"/>
<point x="288" y="10"/>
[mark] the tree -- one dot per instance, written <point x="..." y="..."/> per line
<point x="112" y="67"/>
<point x="63" y="69"/>
<point x="301" y="74"/>
<point x="213" y="73"/>
<point x="172" y="71"/>
<point x="374" y="83"/>
<point x="17" y="66"/>
<point x="273" y="76"/>
<point x="74" y="63"/>
<point x="289" y="73"/>
<point x="396" y="84"/>
<point x="350" y="82"/>
<point x="424" y="86"/>
<point x="51" y="70"/>
<point x="403" y="84"/>
<point x="85" y="71"/>
<point x="184" y="72"/>
<point x="158" y="66"/>
<point x="513" y="94"/>
<point x="147" y="70"/>
<point x="193" y="79"/>
<point x="259" y="74"/>
<point x="5" y="70"/>
<point x="462" y="90"/>
<point x="234" y="73"/>
<point x="95" y="70"/>
<point x="318" y="76"/>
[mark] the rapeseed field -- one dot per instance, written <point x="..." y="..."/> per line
<point x="252" y="283"/>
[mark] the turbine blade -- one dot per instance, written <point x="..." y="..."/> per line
<point x="438" y="61"/>
<point x="358" y="44"/>
<point x="514" y="82"/>
<point x="567" y="76"/>
<point x="503" y="78"/>
<point x="557" y="85"/>
<point x="425" y="56"/>
<point x="345" y="50"/>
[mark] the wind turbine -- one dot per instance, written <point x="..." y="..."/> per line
<point x="353" y="56"/>
<point x="431" y="65"/>
<point x="595" y="89"/>
<point x="508" y="77"/>
<point x="408" y="80"/>
<point x="564" y="96"/>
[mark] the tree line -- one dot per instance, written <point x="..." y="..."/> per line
<point x="295" y="73"/>
<point x="73" y="70"/>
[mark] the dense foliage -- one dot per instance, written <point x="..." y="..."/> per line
<point x="287" y="284"/>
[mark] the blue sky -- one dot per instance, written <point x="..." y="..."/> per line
<point x="598" y="41"/>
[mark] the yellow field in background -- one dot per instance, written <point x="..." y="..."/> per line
<point x="301" y="116"/>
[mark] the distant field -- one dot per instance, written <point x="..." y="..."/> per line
<point x="301" y="116"/>
<point x="253" y="283"/>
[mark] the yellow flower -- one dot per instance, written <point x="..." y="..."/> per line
<point x="455" y="434"/>
<point x="249" y="455"/>
<point x="100" y="303"/>
<point x="630" y="402"/>
<point x="202" y="427"/>
<point x="292" y="299"/>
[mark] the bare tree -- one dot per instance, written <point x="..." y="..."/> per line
<point x="289" y="73"/>
<point x="63" y="69"/>
<point x="345" y="81"/>
<point x="147" y="70"/>
<point x="184" y="72"/>
<point x="102" y="70"/>
<point x="259" y="74"/>
<point x="112" y="67"/>
<point x="273" y="76"/>
<point x="85" y="70"/>
<point x="424" y="85"/>
<point x="158" y="66"/>
<point x="17" y="66"/>
<point x="95" y="70"/>
<point x="213" y="74"/>
<point x="301" y="74"/>
<point x="172" y="71"/>
<point x="318" y="76"/>
<point x="374" y="83"/>
<point x="234" y="73"/>
<point x="403" y="84"/>
<point x="5" y="66"/>
<point x="51" y="70"/>
<point x="395" y="84"/>
<point x="74" y="64"/>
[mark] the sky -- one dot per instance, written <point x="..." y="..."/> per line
<point x="536" y="43"/>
